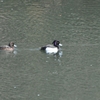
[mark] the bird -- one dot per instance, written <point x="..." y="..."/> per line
<point x="52" y="48"/>
<point x="9" y="47"/>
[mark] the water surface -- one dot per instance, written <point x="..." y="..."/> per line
<point x="28" y="73"/>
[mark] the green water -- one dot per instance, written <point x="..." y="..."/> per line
<point x="28" y="73"/>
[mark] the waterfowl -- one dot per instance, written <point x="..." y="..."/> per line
<point x="52" y="48"/>
<point x="9" y="47"/>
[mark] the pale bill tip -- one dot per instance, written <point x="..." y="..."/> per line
<point x="15" y="45"/>
<point x="60" y="44"/>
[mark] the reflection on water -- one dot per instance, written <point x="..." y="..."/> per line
<point x="7" y="53"/>
<point x="56" y="56"/>
<point x="28" y="73"/>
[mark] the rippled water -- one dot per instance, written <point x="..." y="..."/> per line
<point x="28" y="73"/>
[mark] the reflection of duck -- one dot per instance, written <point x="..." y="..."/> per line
<point x="52" y="48"/>
<point x="9" y="47"/>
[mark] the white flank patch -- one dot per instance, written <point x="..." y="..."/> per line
<point x="51" y="50"/>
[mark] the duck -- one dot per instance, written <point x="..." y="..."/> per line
<point x="9" y="47"/>
<point x="52" y="48"/>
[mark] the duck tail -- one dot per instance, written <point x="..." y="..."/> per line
<point x="43" y="48"/>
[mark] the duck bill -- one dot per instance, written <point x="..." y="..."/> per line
<point x="60" y="44"/>
<point x="15" y="45"/>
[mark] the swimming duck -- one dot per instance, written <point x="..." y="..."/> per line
<point x="9" y="47"/>
<point x="52" y="48"/>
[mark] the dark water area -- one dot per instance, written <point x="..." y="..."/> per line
<point x="27" y="73"/>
